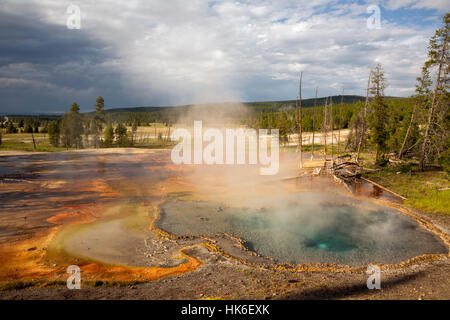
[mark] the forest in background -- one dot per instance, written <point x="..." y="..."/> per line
<point x="417" y="127"/>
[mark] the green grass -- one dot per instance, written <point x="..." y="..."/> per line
<point x="318" y="149"/>
<point x="155" y="144"/>
<point x="24" y="142"/>
<point x="428" y="191"/>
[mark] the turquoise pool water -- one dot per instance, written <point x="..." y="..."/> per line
<point x="310" y="228"/>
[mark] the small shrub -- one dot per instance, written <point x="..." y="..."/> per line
<point x="382" y="162"/>
<point x="11" y="128"/>
<point x="28" y="128"/>
<point x="16" y="285"/>
<point x="444" y="160"/>
<point x="98" y="283"/>
<point x="404" y="167"/>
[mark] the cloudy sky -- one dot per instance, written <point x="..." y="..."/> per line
<point x="153" y="53"/>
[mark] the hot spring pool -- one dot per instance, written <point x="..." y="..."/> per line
<point x="310" y="228"/>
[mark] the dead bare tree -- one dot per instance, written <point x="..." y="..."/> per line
<point x="34" y="141"/>
<point x="363" y="129"/>
<point x="300" y="155"/>
<point x="340" y="120"/>
<point x="332" y="129"/>
<point x="313" y="122"/>
<point x="168" y="134"/>
<point x="297" y="116"/>
<point x="325" y="128"/>
<point x="400" y="153"/>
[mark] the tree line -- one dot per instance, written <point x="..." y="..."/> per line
<point x="76" y="130"/>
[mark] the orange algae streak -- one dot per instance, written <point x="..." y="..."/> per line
<point x="18" y="262"/>
<point x="102" y="187"/>
<point x="76" y="213"/>
<point x="179" y="180"/>
<point x="26" y="259"/>
<point x="95" y="271"/>
<point x="23" y="260"/>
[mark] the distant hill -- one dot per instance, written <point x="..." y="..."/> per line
<point x="258" y="105"/>
<point x="215" y="112"/>
<point x="170" y="114"/>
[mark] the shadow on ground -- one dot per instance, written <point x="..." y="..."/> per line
<point x="359" y="290"/>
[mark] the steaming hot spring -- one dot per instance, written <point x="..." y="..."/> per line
<point x="135" y="208"/>
<point x="310" y="228"/>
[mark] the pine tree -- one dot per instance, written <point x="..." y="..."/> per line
<point x="65" y="131"/>
<point x="134" y="130"/>
<point x="283" y="126"/>
<point x="436" y="136"/>
<point x="54" y="133"/>
<point x="72" y="127"/>
<point x="87" y="129"/>
<point x="108" y="138"/>
<point x="76" y="125"/>
<point x="122" y="135"/>
<point x="379" y="117"/>
<point x="99" y="120"/>
<point x="28" y="128"/>
<point x="10" y="128"/>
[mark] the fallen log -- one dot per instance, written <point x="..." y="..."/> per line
<point x="384" y="188"/>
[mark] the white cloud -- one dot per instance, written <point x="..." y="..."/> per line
<point x="439" y="5"/>
<point x="182" y="52"/>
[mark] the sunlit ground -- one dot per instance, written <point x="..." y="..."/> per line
<point x="132" y="215"/>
